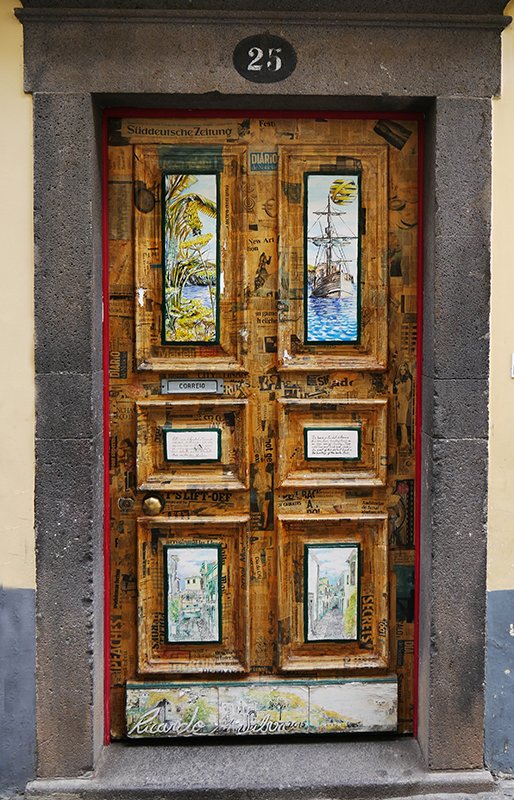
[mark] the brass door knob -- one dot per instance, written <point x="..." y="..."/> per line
<point x="153" y="504"/>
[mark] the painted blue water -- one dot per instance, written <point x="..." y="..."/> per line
<point x="202" y="294"/>
<point x="332" y="319"/>
<point x="329" y="319"/>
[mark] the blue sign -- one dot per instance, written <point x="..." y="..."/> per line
<point x="263" y="162"/>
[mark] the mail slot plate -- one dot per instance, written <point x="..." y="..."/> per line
<point x="210" y="386"/>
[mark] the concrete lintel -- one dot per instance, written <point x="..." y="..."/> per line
<point x="387" y="59"/>
<point x="230" y="16"/>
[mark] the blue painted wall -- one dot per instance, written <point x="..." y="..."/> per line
<point x="499" y="714"/>
<point x="17" y="689"/>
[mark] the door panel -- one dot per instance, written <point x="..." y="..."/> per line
<point x="263" y="341"/>
<point x="174" y="450"/>
<point x="365" y="346"/>
<point x="225" y="350"/>
<point x="223" y="650"/>
<point x="309" y="639"/>
<point x="342" y="443"/>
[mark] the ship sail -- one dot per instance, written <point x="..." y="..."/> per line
<point x="332" y="276"/>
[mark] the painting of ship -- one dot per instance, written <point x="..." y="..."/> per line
<point x="332" y="276"/>
<point x="332" y="257"/>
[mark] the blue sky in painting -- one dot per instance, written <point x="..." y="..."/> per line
<point x="191" y="559"/>
<point x="332" y="560"/>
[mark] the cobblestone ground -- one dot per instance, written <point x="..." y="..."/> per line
<point x="194" y="630"/>
<point x="330" y="626"/>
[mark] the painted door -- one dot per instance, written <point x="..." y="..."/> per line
<point x="263" y="339"/>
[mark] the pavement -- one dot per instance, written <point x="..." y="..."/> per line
<point x="314" y="769"/>
<point x="503" y="790"/>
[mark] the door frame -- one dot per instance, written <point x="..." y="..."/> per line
<point x="68" y="96"/>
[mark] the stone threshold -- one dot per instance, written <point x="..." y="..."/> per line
<point x="319" y="768"/>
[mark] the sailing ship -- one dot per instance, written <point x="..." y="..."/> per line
<point x="332" y="277"/>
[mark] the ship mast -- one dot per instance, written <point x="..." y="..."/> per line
<point x="329" y="240"/>
<point x="328" y="231"/>
<point x="332" y="276"/>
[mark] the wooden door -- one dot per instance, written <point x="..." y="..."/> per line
<point x="262" y="423"/>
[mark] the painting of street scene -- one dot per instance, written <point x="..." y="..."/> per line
<point x="190" y="259"/>
<point x="192" y="593"/>
<point x="332" y="258"/>
<point x="331" y="577"/>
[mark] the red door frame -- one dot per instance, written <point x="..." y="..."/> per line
<point x="164" y="113"/>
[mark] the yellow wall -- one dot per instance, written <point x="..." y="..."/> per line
<point x="16" y="317"/>
<point x="501" y="467"/>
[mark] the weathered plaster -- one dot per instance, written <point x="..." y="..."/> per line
<point x="17" y="568"/>
<point x="501" y="469"/>
<point x="17" y="557"/>
<point x="499" y="728"/>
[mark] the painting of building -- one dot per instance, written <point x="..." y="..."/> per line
<point x="192" y="584"/>
<point x="331" y="589"/>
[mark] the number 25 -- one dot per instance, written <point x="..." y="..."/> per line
<point x="273" y="64"/>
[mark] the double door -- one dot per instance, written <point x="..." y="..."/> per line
<point x="262" y="391"/>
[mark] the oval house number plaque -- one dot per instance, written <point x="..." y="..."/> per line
<point x="264" y="58"/>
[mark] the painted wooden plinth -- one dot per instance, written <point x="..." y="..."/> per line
<point x="156" y="710"/>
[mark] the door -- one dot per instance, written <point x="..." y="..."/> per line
<point x="262" y="322"/>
